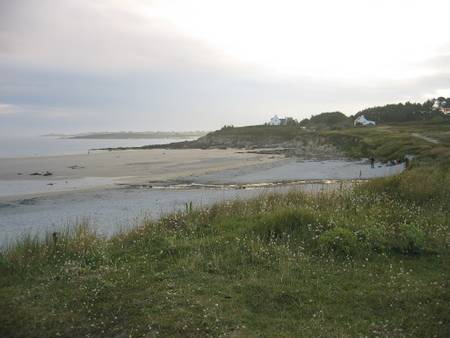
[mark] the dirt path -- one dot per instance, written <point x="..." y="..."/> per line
<point x="426" y="138"/>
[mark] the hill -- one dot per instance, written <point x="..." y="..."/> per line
<point x="391" y="141"/>
<point x="402" y="112"/>
<point x="332" y="120"/>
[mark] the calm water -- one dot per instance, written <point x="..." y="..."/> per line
<point x="49" y="145"/>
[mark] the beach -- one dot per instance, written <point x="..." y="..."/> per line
<point x="99" y="170"/>
<point x="114" y="190"/>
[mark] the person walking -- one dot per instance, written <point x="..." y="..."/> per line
<point x="372" y="162"/>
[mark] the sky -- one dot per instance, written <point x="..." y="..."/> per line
<point x="95" y="65"/>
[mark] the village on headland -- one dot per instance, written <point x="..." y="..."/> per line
<point x="284" y="121"/>
<point x="430" y="109"/>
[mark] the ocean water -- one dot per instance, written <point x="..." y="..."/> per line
<point x="50" y="145"/>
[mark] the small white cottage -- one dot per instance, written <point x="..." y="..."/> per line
<point x="362" y="121"/>
<point x="275" y="121"/>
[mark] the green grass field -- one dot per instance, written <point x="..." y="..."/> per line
<point x="394" y="141"/>
<point x="372" y="261"/>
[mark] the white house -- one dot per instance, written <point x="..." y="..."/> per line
<point x="280" y="121"/>
<point x="441" y="106"/>
<point x="362" y="121"/>
<point x="275" y="121"/>
<point x="436" y="104"/>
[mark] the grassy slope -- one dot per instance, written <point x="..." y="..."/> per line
<point x="368" y="262"/>
<point x="388" y="141"/>
<point x="254" y="136"/>
<point x="393" y="141"/>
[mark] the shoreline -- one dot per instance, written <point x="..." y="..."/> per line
<point x="109" y="211"/>
<point x="227" y="168"/>
<point x="111" y="169"/>
<point x="151" y="183"/>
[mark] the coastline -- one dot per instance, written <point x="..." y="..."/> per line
<point x="111" y="169"/>
<point x="50" y="175"/>
<point x="114" y="190"/>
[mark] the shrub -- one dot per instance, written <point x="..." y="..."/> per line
<point x="339" y="241"/>
<point x="409" y="239"/>
<point x="374" y="239"/>
<point x="421" y="186"/>
<point x="285" y="221"/>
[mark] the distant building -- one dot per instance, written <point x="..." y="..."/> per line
<point x="362" y="121"/>
<point x="280" y="121"/>
<point x="275" y="121"/>
<point x="441" y="105"/>
<point x="445" y="111"/>
<point x="436" y="105"/>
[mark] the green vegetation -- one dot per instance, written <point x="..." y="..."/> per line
<point x="402" y="112"/>
<point x="372" y="261"/>
<point x="251" y="136"/>
<point x="428" y="140"/>
<point x="394" y="141"/>
<point x="333" y="120"/>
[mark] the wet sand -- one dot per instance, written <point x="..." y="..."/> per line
<point x="115" y="190"/>
<point x="292" y="170"/>
<point x="112" y="210"/>
<point x="158" y="167"/>
<point x="102" y="170"/>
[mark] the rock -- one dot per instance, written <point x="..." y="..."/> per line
<point x="28" y="201"/>
<point x="46" y="173"/>
<point x="76" y="166"/>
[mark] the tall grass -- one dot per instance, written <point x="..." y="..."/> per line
<point x="367" y="261"/>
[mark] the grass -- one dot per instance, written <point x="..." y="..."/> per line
<point x="251" y="136"/>
<point x="372" y="261"/>
<point x="394" y="141"/>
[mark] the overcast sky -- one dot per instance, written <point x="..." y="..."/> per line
<point x="91" y="65"/>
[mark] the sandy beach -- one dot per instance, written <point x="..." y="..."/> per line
<point x="106" y="169"/>
<point x="116" y="189"/>
<point x="38" y="176"/>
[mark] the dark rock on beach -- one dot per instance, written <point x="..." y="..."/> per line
<point x="45" y="173"/>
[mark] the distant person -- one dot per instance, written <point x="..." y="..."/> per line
<point x="372" y="162"/>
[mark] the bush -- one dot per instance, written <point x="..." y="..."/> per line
<point x="339" y="241"/>
<point x="285" y="221"/>
<point x="409" y="239"/>
<point x="421" y="186"/>
<point x="374" y="239"/>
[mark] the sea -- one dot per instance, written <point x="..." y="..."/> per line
<point x="16" y="146"/>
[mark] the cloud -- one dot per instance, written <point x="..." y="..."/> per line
<point x="438" y="64"/>
<point x="79" y="65"/>
<point x="81" y="35"/>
